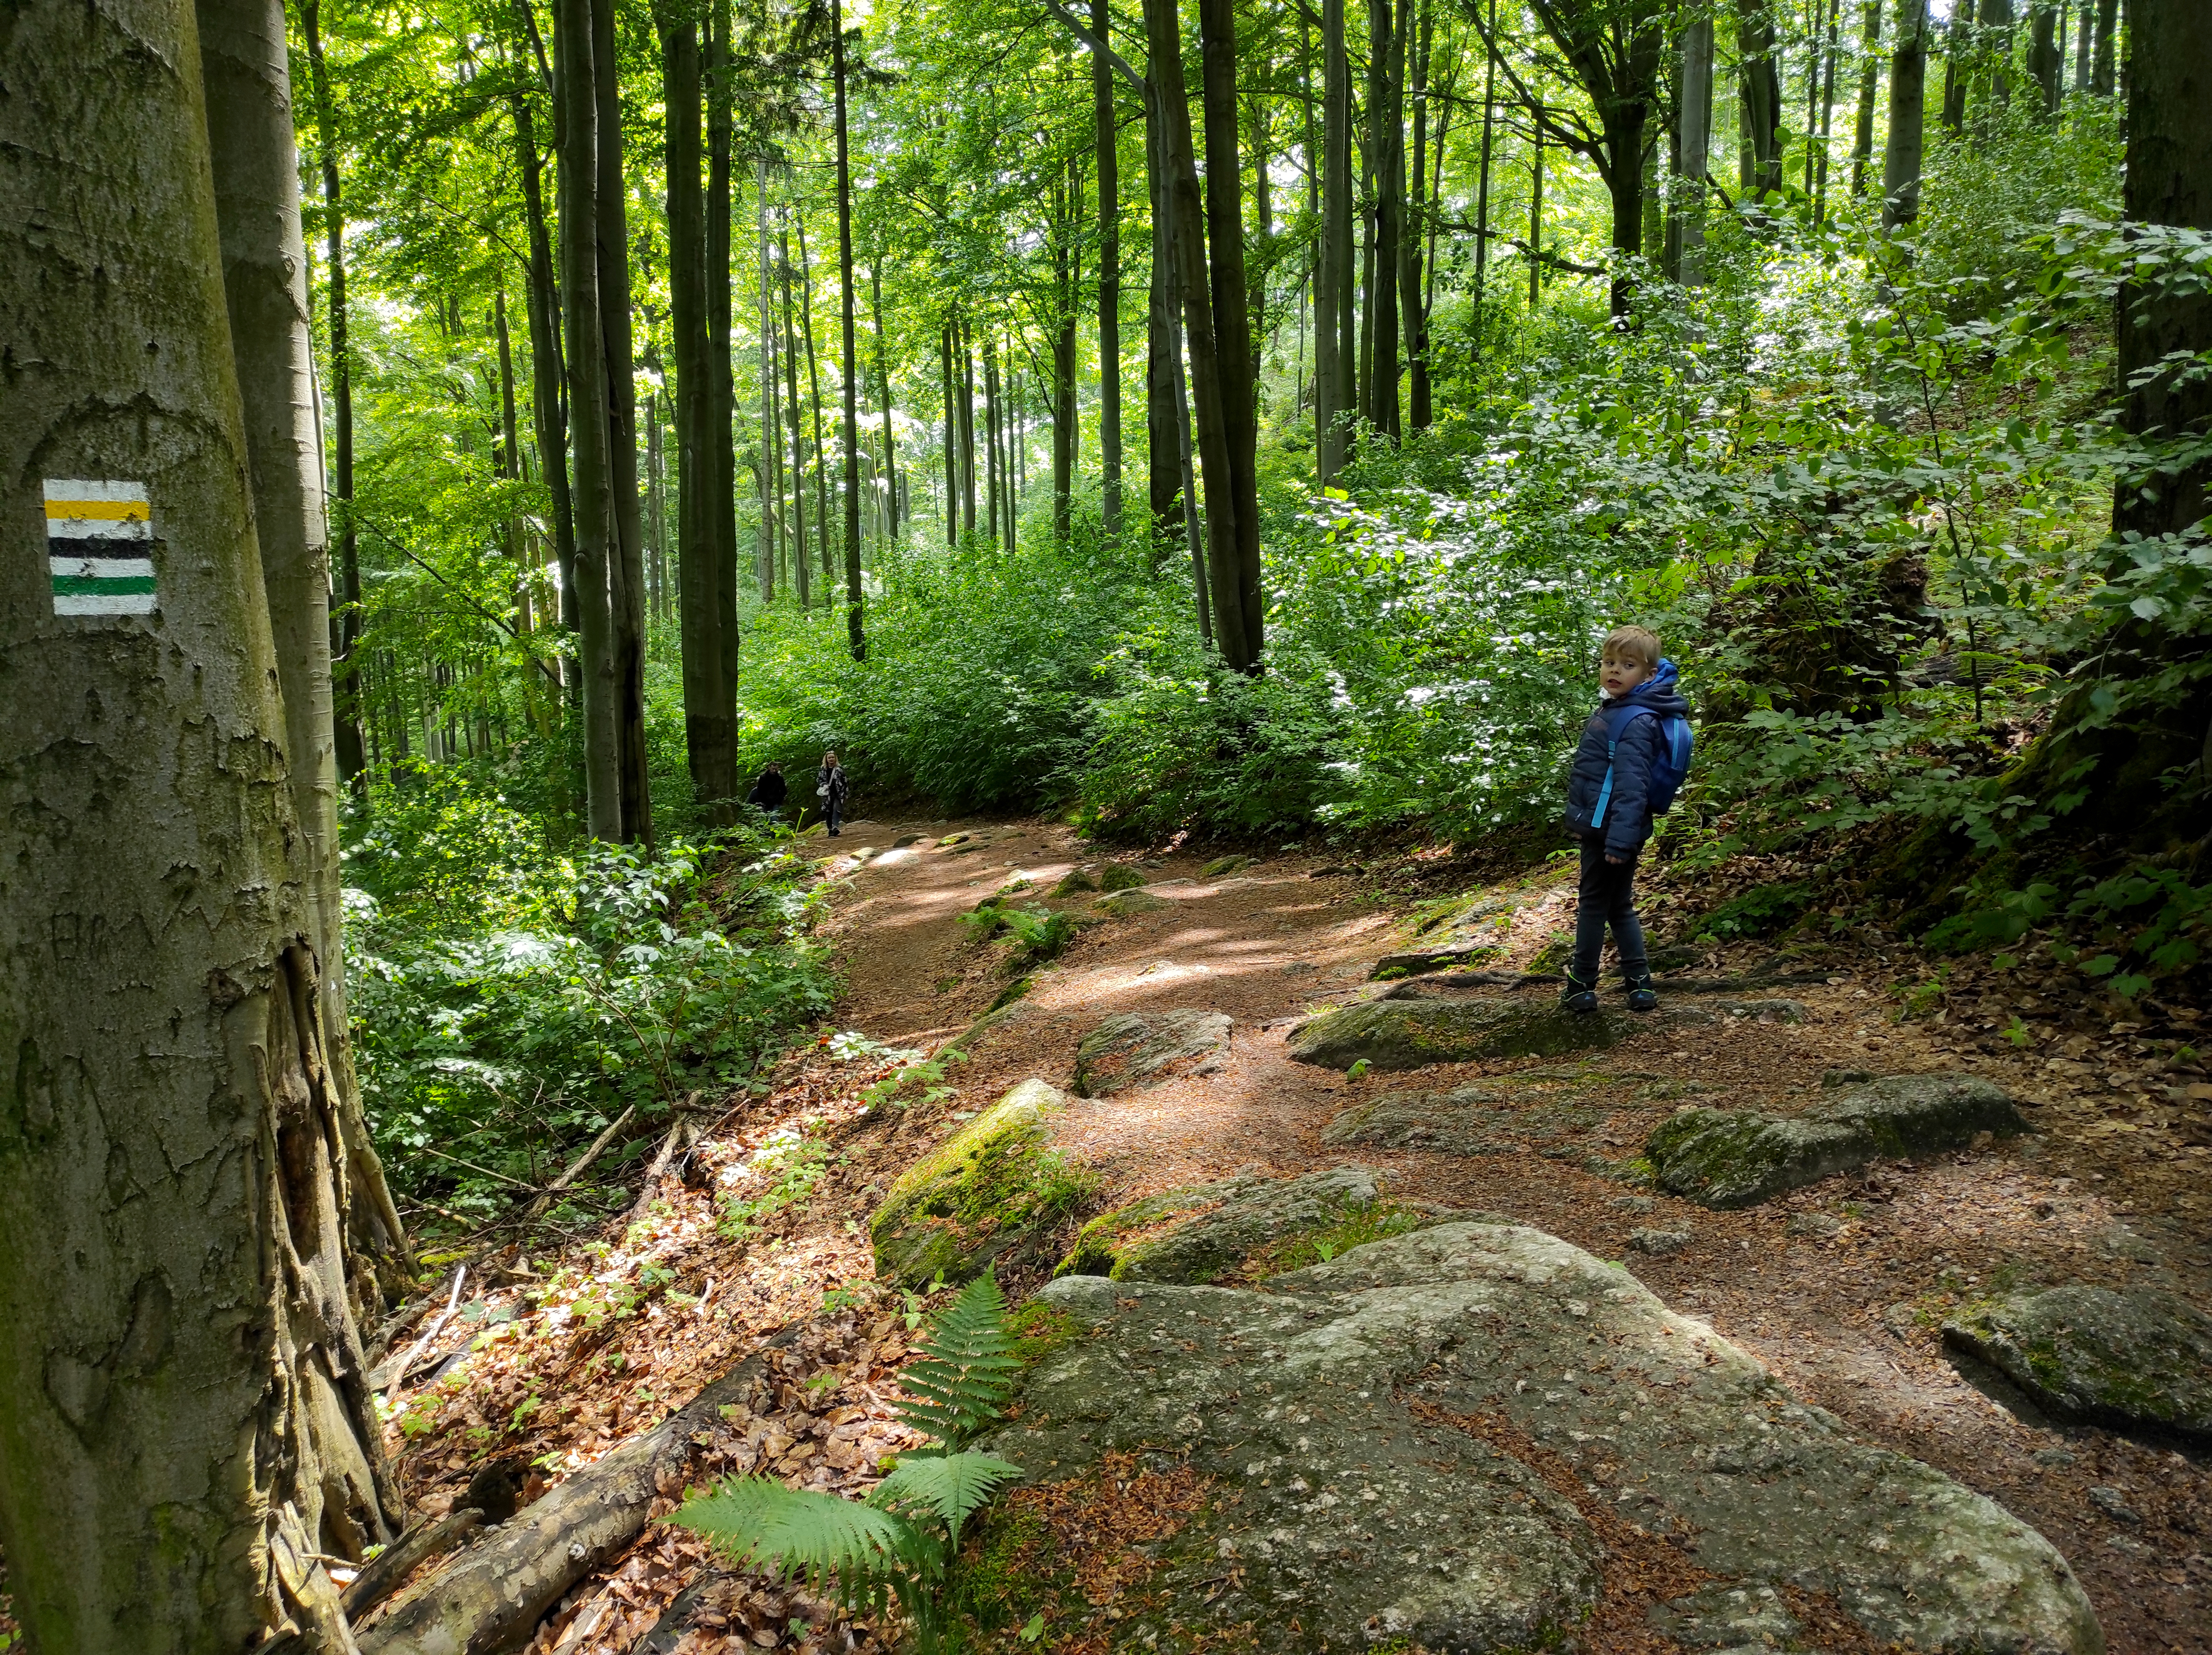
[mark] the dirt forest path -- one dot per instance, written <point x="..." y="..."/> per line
<point x="1837" y="1289"/>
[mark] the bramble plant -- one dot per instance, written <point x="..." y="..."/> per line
<point x="900" y="1544"/>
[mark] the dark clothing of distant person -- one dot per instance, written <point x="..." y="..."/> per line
<point x="1606" y="891"/>
<point x="770" y="792"/>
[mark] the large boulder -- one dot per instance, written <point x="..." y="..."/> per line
<point x="1475" y="1438"/>
<point x="1137" y="1048"/>
<point x="1251" y="1225"/>
<point x="995" y="1186"/>
<point x="2135" y="1359"/>
<point x="1412" y="1033"/>
<point x="1740" y="1157"/>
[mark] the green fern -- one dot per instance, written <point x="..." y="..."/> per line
<point x="958" y="1383"/>
<point x="899" y="1545"/>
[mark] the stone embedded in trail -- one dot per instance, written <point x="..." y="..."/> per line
<point x="1412" y="1033"/>
<point x="1076" y="881"/>
<point x="2133" y="1359"/>
<point x="1416" y="1120"/>
<point x="905" y="839"/>
<point x="1221" y="867"/>
<point x="1136" y="1048"/>
<point x="1463" y="1439"/>
<point x="1421" y="961"/>
<point x="1207" y="1231"/>
<point x="994" y="1187"/>
<point x="1119" y="876"/>
<point x="1658" y="1243"/>
<point x="1740" y="1157"/>
<point x="1134" y="900"/>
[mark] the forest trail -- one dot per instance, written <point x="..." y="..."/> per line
<point x="1839" y="1289"/>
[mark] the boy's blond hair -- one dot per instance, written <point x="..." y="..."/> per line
<point x="1637" y="643"/>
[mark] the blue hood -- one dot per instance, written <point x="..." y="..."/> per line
<point x="1659" y="693"/>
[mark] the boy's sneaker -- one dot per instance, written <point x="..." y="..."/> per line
<point x="1643" y="994"/>
<point x="1578" y="997"/>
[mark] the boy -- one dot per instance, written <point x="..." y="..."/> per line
<point x="1609" y="810"/>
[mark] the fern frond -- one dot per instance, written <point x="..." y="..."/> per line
<point x="869" y="1553"/>
<point x="951" y="1487"/>
<point x="959" y="1382"/>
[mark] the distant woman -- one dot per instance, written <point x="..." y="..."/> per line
<point x="829" y="788"/>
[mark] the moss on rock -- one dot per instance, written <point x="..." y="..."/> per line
<point x="2131" y="1360"/>
<point x="993" y="1186"/>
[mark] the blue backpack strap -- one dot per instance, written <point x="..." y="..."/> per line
<point x="1617" y="720"/>
<point x="1604" y="793"/>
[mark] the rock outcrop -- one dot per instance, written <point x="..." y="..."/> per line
<point x="2135" y="1359"/>
<point x="1249" y="1226"/>
<point x="994" y="1187"/>
<point x="1138" y="1048"/>
<point x="1412" y="1033"/>
<point x="1477" y="1438"/>
<point x="1131" y="899"/>
<point x="1741" y="1157"/>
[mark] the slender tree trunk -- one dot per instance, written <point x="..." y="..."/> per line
<point x="1332" y="364"/>
<point x="814" y="391"/>
<point x="966" y="429"/>
<point x="547" y="372"/>
<point x="1237" y="581"/>
<point x="2044" y="61"/>
<point x="1869" y="82"/>
<point x="1686" y="222"/>
<point x="1536" y="224"/>
<point x="2101" y="80"/>
<point x="1997" y="32"/>
<point x="1827" y="112"/>
<point x="952" y="439"/>
<point x="719" y="412"/>
<point x="2083" y="30"/>
<point x="345" y="692"/>
<point x="626" y="521"/>
<point x="1164" y="444"/>
<point x="1759" y="159"/>
<point x="1482" y="185"/>
<point x="1409" y="264"/>
<point x="796" y="545"/>
<point x="1064" y="412"/>
<point x="1108" y="144"/>
<point x="1958" y="46"/>
<point x="708" y="731"/>
<point x="188" y="1432"/>
<point x="597" y="541"/>
<point x="856" y="632"/>
<point x="883" y="374"/>
<point x="1908" y="79"/>
<point x="771" y="442"/>
<point x="991" y="435"/>
<point x="1386" y="138"/>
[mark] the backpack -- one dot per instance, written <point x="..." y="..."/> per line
<point x="1670" y="765"/>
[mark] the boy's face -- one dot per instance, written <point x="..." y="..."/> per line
<point x="1619" y="674"/>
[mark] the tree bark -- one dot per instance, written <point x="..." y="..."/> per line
<point x="625" y="520"/>
<point x="790" y="341"/>
<point x="1237" y="579"/>
<point x="2100" y="75"/>
<point x="1908" y="81"/>
<point x="1827" y="66"/>
<point x="1869" y="82"/>
<point x="951" y="439"/>
<point x="1415" y="317"/>
<point x="1482" y="184"/>
<point x="708" y="728"/>
<point x="1108" y="144"/>
<point x="1164" y="442"/>
<point x="1064" y="411"/>
<point x="548" y="372"/>
<point x="345" y="686"/>
<point x="596" y="539"/>
<point x="771" y="438"/>
<point x="967" y="365"/>
<point x="2044" y="62"/>
<point x="187" y="1431"/>
<point x="814" y="402"/>
<point x="889" y="482"/>
<point x="857" y="638"/>
<point x="1386" y="139"/>
<point x="1332" y="363"/>
<point x="1686" y="222"/>
<point x="1957" y="44"/>
<point x="993" y="499"/>
<point x="719" y="435"/>
<point x="1760" y="104"/>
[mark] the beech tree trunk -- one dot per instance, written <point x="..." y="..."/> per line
<point x="1234" y="562"/>
<point x="1759" y="105"/>
<point x="2101" y="74"/>
<point x="889" y="482"/>
<point x="1064" y="410"/>
<point x="597" y="541"/>
<point x="1870" y="81"/>
<point x="720" y="470"/>
<point x="1333" y="399"/>
<point x="1163" y="443"/>
<point x="186" y="1431"/>
<point x="771" y="443"/>
<point x="1686" y="222"/>
<point x="1415" y="314"/>
<point x="1386" y="54"/>
<point x="548" y="372"/>
<point x="814" y="403"/>
<point x="709" y="730"/>
<point x="855" y="631"/>
<point x="1908" y="83"/>
<point x="1108" y="144"/>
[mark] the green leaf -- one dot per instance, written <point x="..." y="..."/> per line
<point x="756" y="1522"/>
<point x="960" y="1381"/>
<point x="951" y="1487"/>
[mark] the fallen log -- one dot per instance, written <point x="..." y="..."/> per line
<point x="492" y="1597"/>
<point x="379" y="1578"/>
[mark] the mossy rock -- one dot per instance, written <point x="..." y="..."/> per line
<point x="2138" y="1360"/>
<point x="1222" y="866"/>
<point x="1136" y="1048"/>
<point x="1396" y="1034"/>
<point x="1420" y="962"/>
<point x="995" y="1186"/>
<point x="1119" y="876"/>
<point x="1728" y="1158"/>
<point x="1247" y="1226"/>
<point x="1075" y="882"/>
<point x="1122" y="904"/>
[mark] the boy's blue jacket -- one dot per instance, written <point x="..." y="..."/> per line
<point x="1627" y="813"/>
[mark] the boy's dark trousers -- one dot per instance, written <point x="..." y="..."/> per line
<point x="1607" y="896"/>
